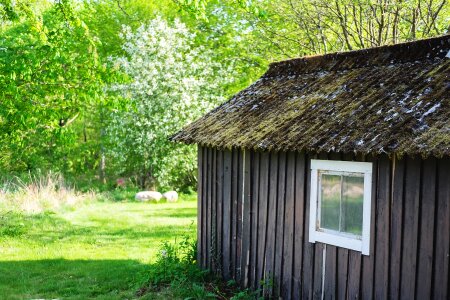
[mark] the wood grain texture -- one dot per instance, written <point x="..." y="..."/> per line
<point x="382" y="228"/>
<point x="410" y="229"/>
<point x="219" y="200"/>
<point x="199" y="205"/>
<point x="204" y="207"/>
<point x="426" y="230"/>
<point x="254" y="215"/>
<point x="246" y="220"/>
<point x="254" y="219"/>
<point x="280" y="219"/>
<point x="288" y="235"/>
<point x="226" y="229"/>
<point x="234" y="208"/>
<point x="395" y="252"/>
<point x="271" y="225"/>
<point x="441" y="287"/>
<point x="262" y="216"/>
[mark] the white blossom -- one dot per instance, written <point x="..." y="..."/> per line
<point x="172" y="83"/>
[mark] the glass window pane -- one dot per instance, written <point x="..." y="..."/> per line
<point x="352" y="204"/>
<point x="330" y="201"/>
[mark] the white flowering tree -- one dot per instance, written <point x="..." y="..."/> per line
<point x="171" y="83"/>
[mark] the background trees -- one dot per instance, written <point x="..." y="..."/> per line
<point x="171" y="83"/>
<point x="77" y="97"/>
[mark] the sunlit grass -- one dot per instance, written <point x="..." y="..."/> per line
<point x="99" y="250"/>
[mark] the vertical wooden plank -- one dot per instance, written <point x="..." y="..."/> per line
<point x="234" y="199"/>
<point x="354" y="275"/>
<point x="288" y="235"/>
<point x="214" y="256"/>
<point x="382" y="228"/>
<point x="205" y="208"/>
<point x="411" y="221"/>
<point x="306" y="273"/>
<point x="226" y="229"/>
<point x="280" y="219"/>
<point x="239" y="224"/>
<point x="254" y="216"/>
<point x="396" y="227"/>
<point x="319" y="249"/>
<point x="271" y="224"/>
<point x="219" y="196"/>
<point x="246" y="219"/>
<point x="209" y="211"/>
<point x="330" y="284"/>
<point x="342" y="273"/>
<point x="427" y="212"/>
<point x="199" y="204"/>
<point x="262" y="215"/>
<point x="367" y="261"/>
<point x="441" y="286"/>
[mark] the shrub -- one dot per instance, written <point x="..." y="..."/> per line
<point x="175" y="274"/>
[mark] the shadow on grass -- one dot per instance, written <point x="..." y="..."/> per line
<point x="71" y="279"/>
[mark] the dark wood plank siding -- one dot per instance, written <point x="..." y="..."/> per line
<point x="262" y="216"/>
<point x="246" y="221"/>
<point x="410" y="229"/>
<point x="200" y="206"/>
<point x="254" y="181"/>
<point x="441" y="285"/>
<point x="426" y="231"/>
<point x="254" y="219"/>
<point x="383" y="193"/>
<point x="226" y="213"/>
<point x="288" y="235"/>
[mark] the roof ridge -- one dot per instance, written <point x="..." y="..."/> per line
<point x="382" y="55"/>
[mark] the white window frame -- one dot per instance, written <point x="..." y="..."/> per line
<point x="328" y="236"/>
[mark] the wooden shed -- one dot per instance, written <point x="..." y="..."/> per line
<point x="329" y="177"/>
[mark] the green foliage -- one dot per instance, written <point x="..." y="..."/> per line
<point x="176" y="273"/>
<point x="50" y="78"/>
<point x="55" y="66"/>
<point x="172" y="82"/>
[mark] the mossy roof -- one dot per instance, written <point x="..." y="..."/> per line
<point x="390" y="99"/>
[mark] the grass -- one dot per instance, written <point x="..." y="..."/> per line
<point x="99" y="250"/>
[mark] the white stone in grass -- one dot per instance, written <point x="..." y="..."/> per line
<point x="148" y="196"/>
<point x="171" y="196"/>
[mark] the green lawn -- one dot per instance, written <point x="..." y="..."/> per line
<point x="98" y="251"/>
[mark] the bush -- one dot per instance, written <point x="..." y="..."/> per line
<point x="175" y="274"/>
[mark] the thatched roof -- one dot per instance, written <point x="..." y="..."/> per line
<point x="391" y="99"/>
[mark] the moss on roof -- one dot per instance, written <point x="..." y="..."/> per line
<point x="391" y="99"/>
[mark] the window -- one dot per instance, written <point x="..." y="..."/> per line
<point x="340" y="204"/>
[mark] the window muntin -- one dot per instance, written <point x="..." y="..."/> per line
<point x="340" y="204"/>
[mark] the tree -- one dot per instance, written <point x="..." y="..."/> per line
<point x="50" y="78"/>
<point x="295" y="28"/>
<point x="171" y="83"/>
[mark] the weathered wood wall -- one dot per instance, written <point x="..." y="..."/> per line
<point x="253" y="227"/>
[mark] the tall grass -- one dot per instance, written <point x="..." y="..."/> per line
<point x="38" y="193"/>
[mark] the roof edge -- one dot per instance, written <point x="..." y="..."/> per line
<point x="430" y="48"/>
